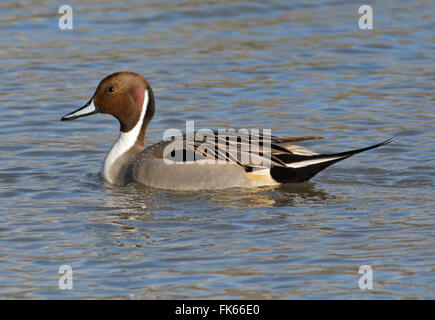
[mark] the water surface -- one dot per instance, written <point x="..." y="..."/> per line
<point x="298" y="67"/>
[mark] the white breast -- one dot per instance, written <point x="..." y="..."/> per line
<point x="125" y="141"/>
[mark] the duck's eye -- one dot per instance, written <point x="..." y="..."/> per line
<point x="112" y="89"/>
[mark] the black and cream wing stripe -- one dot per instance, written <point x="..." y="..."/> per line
<point x="252" y="151"/>
<point x="287" y="162"/>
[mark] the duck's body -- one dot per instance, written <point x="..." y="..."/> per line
<point x="129" y="98"/>
<point x="149" y="170"/>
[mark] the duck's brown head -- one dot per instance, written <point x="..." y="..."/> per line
<point x="124" y="95"/>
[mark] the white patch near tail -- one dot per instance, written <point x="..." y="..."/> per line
<point x="260" y="177"/>
<point x="306" y="163"/>
<point x="125" y="141"/>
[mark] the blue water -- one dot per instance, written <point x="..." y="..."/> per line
<point x="296" y="67"/>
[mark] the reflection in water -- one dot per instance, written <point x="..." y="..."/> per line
<point x="136" y="196"/>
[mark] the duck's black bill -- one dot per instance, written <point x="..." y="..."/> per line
<point x="88" y="109"/>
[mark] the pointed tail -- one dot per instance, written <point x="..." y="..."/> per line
<point x="301" y="168"/>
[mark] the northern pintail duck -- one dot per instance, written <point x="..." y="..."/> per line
<point x="129" y="98"/>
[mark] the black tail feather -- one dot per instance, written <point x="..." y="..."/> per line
<point x="289" y="175"/>
<point x="352" y="152"/>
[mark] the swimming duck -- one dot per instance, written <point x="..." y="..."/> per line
<point x="186" y="163"/>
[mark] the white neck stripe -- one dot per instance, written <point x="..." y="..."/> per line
<point x="125" y="142"/>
